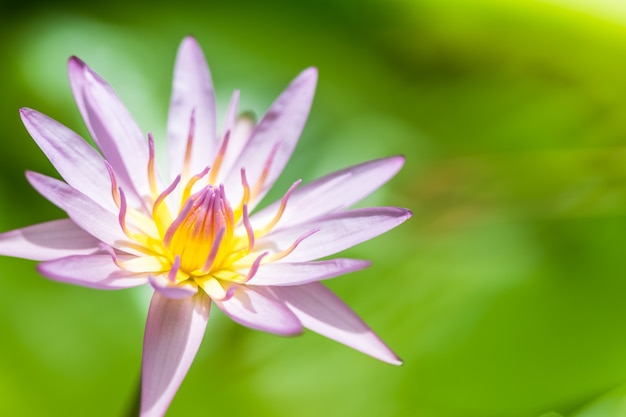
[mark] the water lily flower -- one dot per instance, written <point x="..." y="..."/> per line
<point x="191" y="232"/>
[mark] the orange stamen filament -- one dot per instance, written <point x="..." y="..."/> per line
<point x="189" y="147"/>
<point x="191" y="183"/>
<point x="249" y="229"/>
<point x="281" y="209"/>
<point x="219" y="158"/>
<point x="258" y="186"/>
<point x="280" y="255"/>
<point x="255" y="266"/>
<point x="114" y="187"/>
<point x="151" y="167"/>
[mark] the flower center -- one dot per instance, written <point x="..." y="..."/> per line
<point x="202" y="232"/>
<point x="207" y="244"/>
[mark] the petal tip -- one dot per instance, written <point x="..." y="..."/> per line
<point x="75" y="62"/>
<point x="189" y="40"/>
<point x="310" y="74"/>
<point x="399" y="159"/>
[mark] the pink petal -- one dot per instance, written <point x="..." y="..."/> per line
<point x="174" y="331"/>
<point x="112" y="127"/>
<point x="86" y="213"/>
<point x="162" y="285"/>
<point x="50" y="240"/>
<point x="79" y="164"/>
<point x="192" y="90"/>
<point x="93" y="271"/>
<point x="254" y="308"/>
<point x="278" y="131"/>
<point x="336" y="232"/>
<point x="333" y="192"/>
<point x="285" y="273"/>
<point x="323" y="312"/>
<point x="240" y="134"/>
<point x="236" y="141"/>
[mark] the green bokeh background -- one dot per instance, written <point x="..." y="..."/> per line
<point x="504" y="294"/>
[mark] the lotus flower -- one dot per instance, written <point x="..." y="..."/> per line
<point x="190" y="232"/>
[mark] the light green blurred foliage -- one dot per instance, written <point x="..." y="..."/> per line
<point x="503" y="295"/>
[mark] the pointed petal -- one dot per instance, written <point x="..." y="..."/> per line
<point x="254" y="308"/>
<point x="174" y="331"/>
<point x="239" y="132"/>
<point x="336" y="232"/>
<point x="192" y="90"/>
<point x="79" y="164"/>
<point x="86" y="213"/>
<point x="50" y="240"/>
<point x="323" y="312"/>
<point x="239" y="136"/>
<point x="285" y="273"/>
<point x="278" y="131"/>
<point x="93" y="271"/>
<point x="333" y="192"/>
<point x="112" y="127"/>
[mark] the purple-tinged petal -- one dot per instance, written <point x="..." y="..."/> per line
<point x="192" y="91"/>
<point x="278" y="132"/>
<point x="87" y="214"/>
<point x="50" y="240"/>
<point x="79" y="164"/>
<point x="336" y="232"/>
<point x="333" y="192"/>
<point x="93" y="271"/>
<point x="162" y="285"/>
<point x="236" y="142"/>
<point x="254" y="308"/>
<point x="286" y="273"/>
<point x="112" y="127"/>
<point x="323" y="312"/>
<point x="174" y="331"/>
<point x="239" y="136"/>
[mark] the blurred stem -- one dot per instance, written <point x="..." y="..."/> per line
<point x="135" y="406"/>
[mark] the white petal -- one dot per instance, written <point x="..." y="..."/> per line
<point x="174" y="331"/>
<point x="336" y="232"/>
<point x="278" y="131"/>
<point x="162" y="285"/>
<point x="285" y="273"/>
<point x="323" y="312"/>
<point x="336" y="191"/>
<point x="50" y="240"/>
<point x="86" y="213"/>
<point x="94" y="271"/>
<point x="79" y="164"/>
<point x="112" y="127"/>
<point x="254" y="308"/>
<point x="192" y="91"/>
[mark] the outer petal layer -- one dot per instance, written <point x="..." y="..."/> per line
<point x="301" y="273"/>
<point x="87" y="214"/>
<point x="192" y="92"/>
<point x="333" y="192"/>
<point x="79" y="164"/>
<point x="276" y="134"/>
<point x="94" y="271"/>
<point x="50" y="240"/>
<point x="323" y="312"/>
<point x="174" y="331"/>
<point x="112" y="127"/>
<point x="336" y="232"/>
<point x="254" y="308"/>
